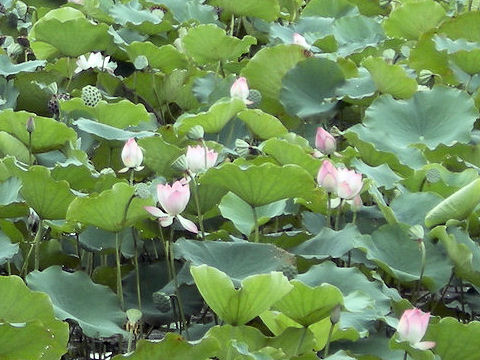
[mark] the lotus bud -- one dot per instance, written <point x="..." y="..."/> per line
<point x="300" y="40"/>
<point x="30" y="125"/>
<point x="325" y="142"/>
<point x="196" y="133"/>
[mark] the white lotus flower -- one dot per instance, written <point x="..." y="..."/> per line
<point x="95" y="61"/>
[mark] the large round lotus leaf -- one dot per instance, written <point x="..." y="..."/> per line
<point x="236" y="307"/>
<point x="210" y="44"/>
<point x="74" y="296"/>
<point x="264" y="184"/>
<point x="94" y="239"/>
<point x="412" y="19"/>
<point x="391" y="248"/>
<point x="111" y="210"/>
<point x="266" y="70"/>
<point x="132" y="15"/>
<point x="457" y="206"/>
<point x="121" y="114"/>
<point x="462" y="250"/>
<point x="212" y="120"/>
<point x="57" y="33"/>
<point x="7" y="249"/>
<point x="287" y="153"/>
<point x="173" y="347"/>
<point x="109" y="132"/>
<point x="438" y="116"/>
<point x="48" y="197"/>
<point x="329" y="8"/>
<point x="8" y="68"/>
<point x="28" y="323"/>
<point x="307" y="305"/>
<point x="10" y="145"/>
<point x="411" y="207"/>
<point x="463" y="26"/>
<point x="209" y="196"/>
<point x="355" y="33"/>
<point x="237" y="260"/>
<point x="262" y="124"/>
<point x="166" y="58"/>
<point x="462" y="346"/>
<point x="268" y="10"/>
<point x="154" y="277"/>
<point x="390" y="79"/>
<point x="328" y="243"/>
<point x="307" y="89"/>
<point x="185" y="11"/>
<point x="48" y="135"/>
<point x="161" y="165"/>
<point x="382" y="175"/>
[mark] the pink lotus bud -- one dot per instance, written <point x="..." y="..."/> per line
<point x="200" y="158"/>
<point x="132" y="155"/>
<point x="412" y="327"/>
<point x="325" y="142"/>
<point x="173" y="199"/>
<point x="327" y="176"/>
<point x="349" y="183"/>
<point x="300" y="40"/>
<point x="240" y="90"/>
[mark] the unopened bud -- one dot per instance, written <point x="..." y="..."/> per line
<point x="416" y="232"/>
<point x="180" y="164"/>
<point x="30" y="125"/>
<point x="335" y="314"/>
<point x="196" y="132"/>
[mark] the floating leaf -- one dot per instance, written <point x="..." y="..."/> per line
<point x="261" y="185"/>
<point x="8" y="68"/>
<point x="74" y="296"/>
<point x="236" y="307"/>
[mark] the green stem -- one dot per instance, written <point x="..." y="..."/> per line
<point x="339" y="211"/>
<point x="30" y="161"/>
<point x="300" y="343"/>
<point x="405" y="356"/>
<point x="470" y="3"/>
<point x="329" y="338"/>
<point x="255" y="220"/>
<point x="9" y="268"/>
<point x="197" y="204"/>
<point x="329" y="210"/>
<point x="232" y="25"/>
<point x="38" y="237"/>
<point x="166" y="251"/>
<point x="118" y="246"/>
<point x="135" y="95"/>
<point x="422" y="270"/>
<point x="137" y="270"/>
<point x="70" y="74"/>
<point x="132" y="175"/>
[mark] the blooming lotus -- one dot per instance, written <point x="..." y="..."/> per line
<point x="95" y="60"/>
<point x="240" y="90"/>
<point x="173" y="200"/>
<point x="132" y="156"/>
<point x="200" y="158"/>
<point x="324" y="141"/>
<point x="300" y="40"/>
<point x="327" y="176"/>
<point x="412" y="327"/>
<point x="349" y="183"/>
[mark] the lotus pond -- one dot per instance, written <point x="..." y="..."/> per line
<point x="222" y="179"/>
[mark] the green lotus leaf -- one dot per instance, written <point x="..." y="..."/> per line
<point x="462" y="250"/>
<point x="211" y="87"/>
<point x="29" y="329"/>
<point x="162" y="165"/>
<point x="330" y="8"/>
<point x="358" y="87"/>
<point x="166" y="58"/>
<point x="411" y="207"/>
<point x="355" y="33"/>
<point x="132" y="13"/>
<point x="57" y="33"/>
<point x="266" y="70"/>
<point x="10" y="203"/>
<point x="210" y="44"/>
<point x="449" y="347"/>
<point x="111" y="210"/>
<point x="412" y="19"/>
<point x="236" y="307"/>
<point x="48" y="135"/>
<point x="308" y="305"/>
<point x="109" y="132"/>
<point x="457" y="206"/>
<point x="382" y="175"/>
<point x="10" y="145"/>
<point x="263" y="125"/>
<point x="463" y="26"/>
<point x="173" y="347"/>
<point x="7" y="249"/>
<point x="430" y="118"/>
<point x="121" y="114"/>
<point x="237" y="260"/>
<point x="8" y="94"/>
<point x="8" y="68"/>
<point x="287" y="153"/>
<point x="308" y="88"/>
<point x="264" y="184"/>
<point x="48" y="197"/>
<point x="212" y="120"/>
<point x="268" y="10"/>
<point x="74" y="296"/>
<point x="390" y="79"/>
<point x="391" y="248"/>
<point x="188" y="10"/>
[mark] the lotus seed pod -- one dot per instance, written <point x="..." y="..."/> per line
<point x="162" y="301"/>
<point x="91" y="95"/>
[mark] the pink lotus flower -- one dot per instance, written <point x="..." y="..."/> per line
<point x="173" y="200"/>
<point x="132" y="156"/>
<point x="325" y="142"/>
<point x="300" y="40"/>
<point x="200" y="158"/>
<point x="412" y="327"/>
<point x="327" y="176"/>
<point x="349" y="183"/>
<point x="240" y="90"/>
<point x="356" y="203"/>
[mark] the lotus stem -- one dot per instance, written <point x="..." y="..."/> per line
<point x="30" y="160"/>
<point x="329" y="210"/>
<point x="337" y="219"/>
<point x="197" y="203"/>
<point x="36" y="244"/>
<point x="118" y="246"/>
<point x="137" y="270"/>
<point x="421" y="245"/>
<point x="255" y="220"/>
<point x="329" y="339"/>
